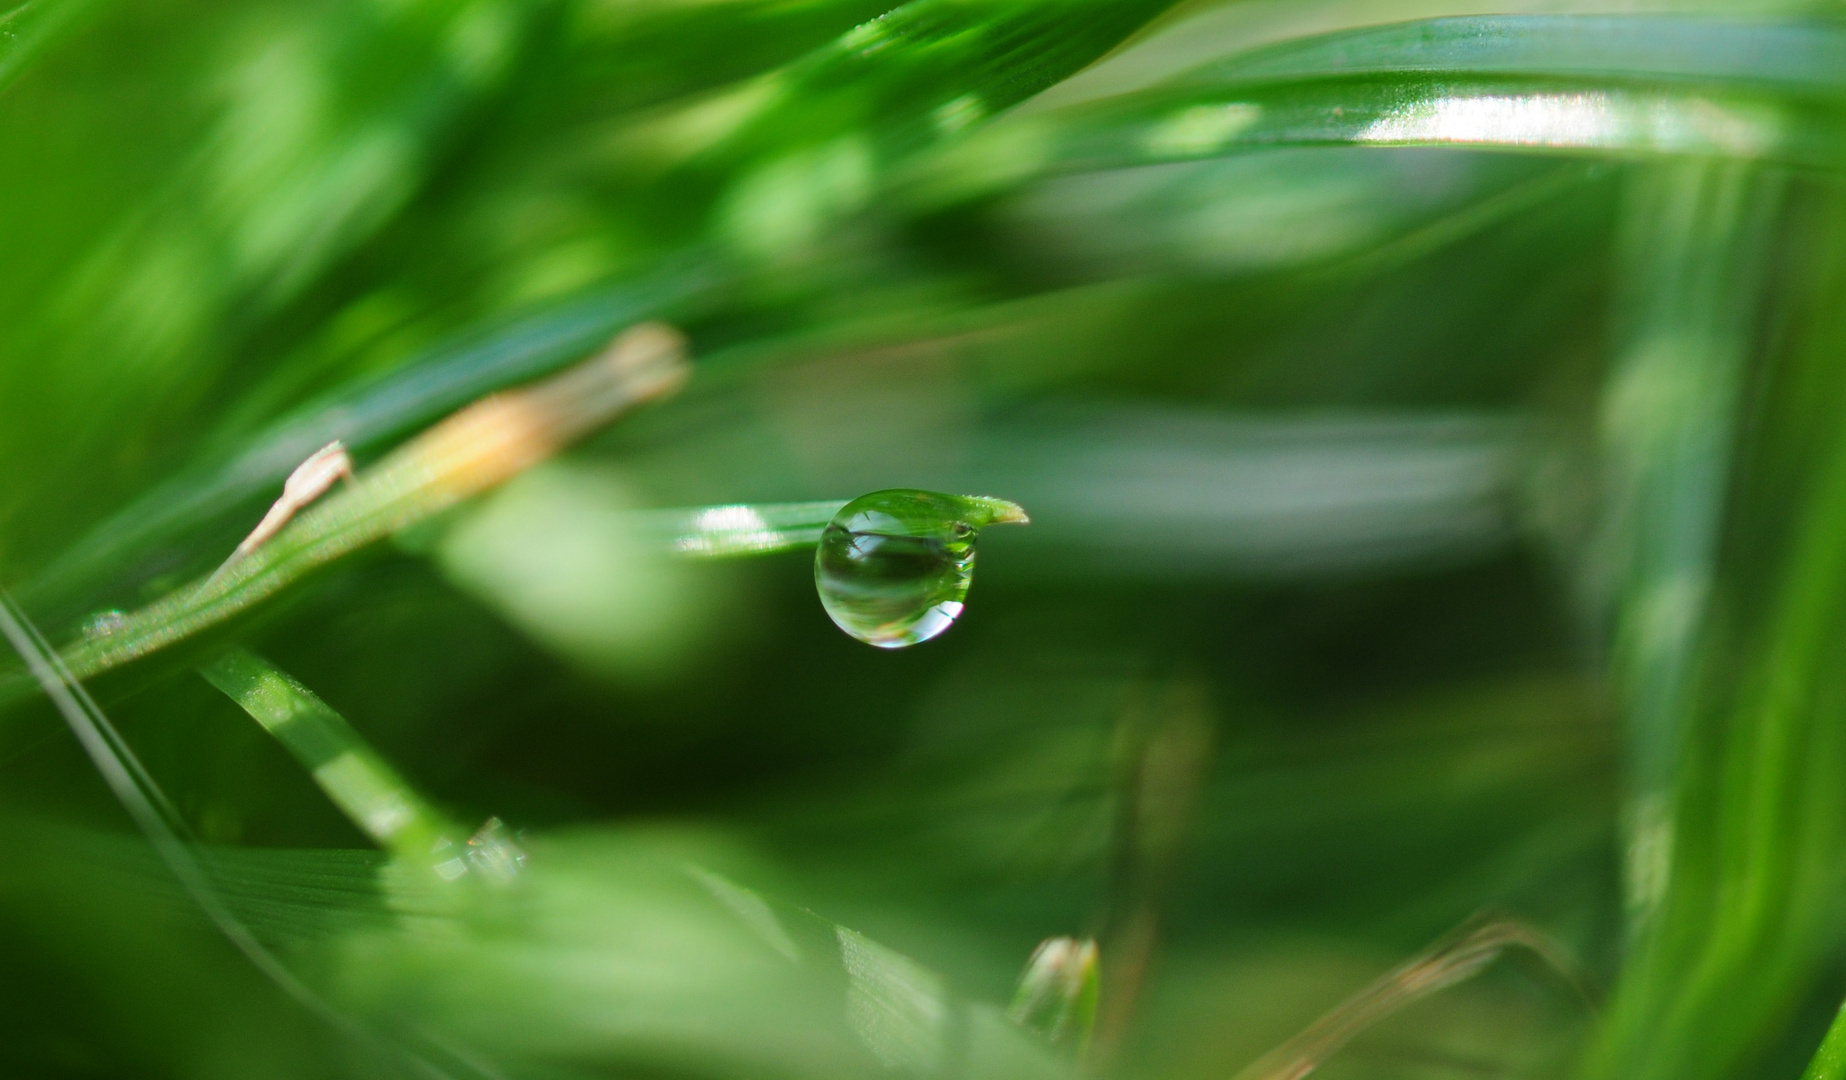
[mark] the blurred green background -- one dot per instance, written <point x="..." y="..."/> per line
<point x="1430" y="416"/>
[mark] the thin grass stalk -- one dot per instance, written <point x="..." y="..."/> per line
<point x="1460" y="957"/>
<point x="474" y="450"/>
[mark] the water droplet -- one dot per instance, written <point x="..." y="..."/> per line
<point x="443" y="859"/>
<point x="893" y="567"/>
<point x="104" y="623"/>
<point x="494" y="853"/>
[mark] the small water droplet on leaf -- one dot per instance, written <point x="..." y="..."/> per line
<point x="104" y="623"/>
<point x="494" y="852"/>
<point x="893" y="566"/>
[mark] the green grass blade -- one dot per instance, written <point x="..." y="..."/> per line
<point x="1807" y="57"/>
<point x="472" y="450"/>
<point x="29" y="29"/>
<point x="1463" y="955"/>
<point x="362" y="416"/>
<point x="359" y="781"/>
<point x="1748" y="922"/>
<point x="1622" y="87"/>
<point x="718" y="531"/>
<point x="1830" y="1060"/>
<point x="151" y="812"/>
<point x="1694" y="262"/>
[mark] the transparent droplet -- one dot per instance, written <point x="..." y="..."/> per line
<point x="445" y="859"/>
<point x="494" y="853"/>
<point x="104" y="623"/>
<point x="893" y="567"/>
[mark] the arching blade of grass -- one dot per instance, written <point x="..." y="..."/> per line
<point x="774" y="162"/>
<point x="1804" y="57"/>
<point x="927" y="69"/>
<point x="1640" y="85"/>
<point x="1465" y="954"/>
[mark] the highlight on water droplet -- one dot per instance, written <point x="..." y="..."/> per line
<point x="893" y="566"/>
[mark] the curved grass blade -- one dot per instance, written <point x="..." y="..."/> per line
<point x="1521" y="114"/>
<point x="1460" y="957"/>
<point x="931" y="68"/>
<point x="796" y="150"/>
<point x="1803" y="57"/>
<point x="1603" y="86"/>
<point x="151" y="812"/>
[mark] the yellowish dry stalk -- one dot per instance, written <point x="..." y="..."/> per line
<point x="308" y="482"/>
<point x="478" y="447"/>
<point x="1456" y="959"/>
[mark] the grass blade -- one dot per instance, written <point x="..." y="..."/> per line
<point x="1461" y="957"/>
<point x="360" y="782"/>
<point x="471" y="451"/>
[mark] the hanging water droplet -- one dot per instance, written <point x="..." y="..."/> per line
<point x="893" y="567"/>
<point x="104" y="623"/>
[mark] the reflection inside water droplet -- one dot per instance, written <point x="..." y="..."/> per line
<point x="893" y="567"/>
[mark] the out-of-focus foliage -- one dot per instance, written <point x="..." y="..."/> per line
<point x="1430" y="421"/>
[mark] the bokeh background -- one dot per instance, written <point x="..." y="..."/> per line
<point x="1430" y="415"/>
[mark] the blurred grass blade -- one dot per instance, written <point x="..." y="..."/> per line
<point x="360" y="416"/>
<point x="1807" y="56"/>
<point x="1659" y="84"/>
<point x="1749" y="919"/>
<point x="142" y="798"/>
<point x="1693" y="266"/>
<point x="1465" y="954"/>
<point x="360" y="782"/>
<point x="310" y="130"/>
<point x="810" y="144"/>
<point x="471" y="451"/>
<point x="929" y="68"/>
<point x="30" y="28"/>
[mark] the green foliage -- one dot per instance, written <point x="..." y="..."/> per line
<point x="1430" y="424"/>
